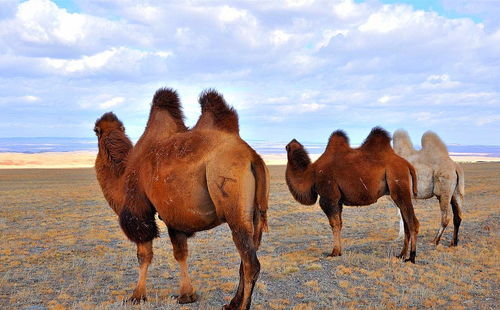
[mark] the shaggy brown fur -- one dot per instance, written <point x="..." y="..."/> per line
<point x="196" y="180"/>
<point x="354" y="177"/>
<point x="438" y="176"/>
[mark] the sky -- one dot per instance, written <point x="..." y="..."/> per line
<point x="293" y="69"/>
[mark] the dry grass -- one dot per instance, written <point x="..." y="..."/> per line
<point x="62" y="248"/>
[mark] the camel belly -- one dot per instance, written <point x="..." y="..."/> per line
<point x="425" y="183"/>
<point x="183" y="202"/>
<point x="189" y="215"/>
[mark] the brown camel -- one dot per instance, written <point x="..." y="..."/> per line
<point x="438" y="175"/>
<point x="196" y="180"/>
<point x="354" y="177"/>
<point x="116" y="152"/>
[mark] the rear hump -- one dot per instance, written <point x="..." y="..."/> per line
<point x="216" y="113"/>
<point x="432" y="143"/>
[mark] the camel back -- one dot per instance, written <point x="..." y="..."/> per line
<point x="433" y="144"/>
<point x="216" y="113"/>
<point x="378" y="140"/>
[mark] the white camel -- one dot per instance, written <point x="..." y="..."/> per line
<point x="437" y="175"/>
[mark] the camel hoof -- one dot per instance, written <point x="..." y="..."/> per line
<point x="335" y="253"/>
<point x="400" y="256"/>
<point x="410" y="260"/>
<point x="135" y="300"/>
<point x="229" y="307"/>
<point x="187" y="298"/>
<point x="454" y="243"/>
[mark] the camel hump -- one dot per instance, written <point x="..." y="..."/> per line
<point x="402" y="142"/>
<point x="167" y="99"/>
<point x="338" y="139"/>
<point x="378" y="139"/>
<point x="215" y="108"/>
<point x="432" y="143"/>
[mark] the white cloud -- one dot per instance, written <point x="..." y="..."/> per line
<point x="279" y="37"/>
<point x="30" y="98"/>
<point x="112" y="103"/>
<point x="384" y="99"/>
<point x="487" y="120"/>
<point x="229" y="14"/>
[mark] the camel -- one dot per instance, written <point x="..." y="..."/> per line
<point x="196" y="179"/>
<point x="116" y="152"/>
<point x="354" y="177"/>
<point x="438" y="175"/>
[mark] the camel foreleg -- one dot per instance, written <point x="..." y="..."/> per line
<point x="333" y="210"/>
<point x="144" y="257"/>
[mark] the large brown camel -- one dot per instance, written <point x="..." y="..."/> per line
<point x="438" y="175"/>
<point x="115" y="154"/>
<point x="196" y="180"/>
<point x="354" y="177"/>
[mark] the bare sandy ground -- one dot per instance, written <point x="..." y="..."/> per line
<point x="85" y="159"/>
<point x="61" y="248"/>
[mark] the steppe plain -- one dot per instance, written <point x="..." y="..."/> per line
<point x="61" y="247"/>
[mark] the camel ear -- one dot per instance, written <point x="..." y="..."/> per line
<point x="97" y="131"/>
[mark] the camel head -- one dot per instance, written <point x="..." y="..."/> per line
<point x="113" y="144"/>
<point x="106" y="124"/>
<point x="402" y="143"/>
<point x="297" y="155"/>
<point x="299" y="178"/>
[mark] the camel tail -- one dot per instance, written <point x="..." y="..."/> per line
<point x="414" y="180"/>
<point x="461" y="180"/>
<point x="261" y="174"/>
<point x="137" y="217"/>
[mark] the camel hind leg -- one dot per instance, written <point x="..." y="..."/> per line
<point x="187" y="293"/>
<point x="257" y="237"/>
<point x="444" y="205"/>
<point x="232" y="190"/>
<point x="456" y="205"/>
<point x="400" y="191"/>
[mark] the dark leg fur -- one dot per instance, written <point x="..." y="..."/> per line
<point x="139" y="229"/>
<point x="457" y="219"/>
<point x="251" y="269"/>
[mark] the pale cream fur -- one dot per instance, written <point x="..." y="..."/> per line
<point x="437" y="174"/>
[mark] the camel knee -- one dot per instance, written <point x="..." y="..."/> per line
<point x="252" y="268"/>
<point x="180" y="254"/>
<point x="144" y="257"/>
<point x="445" y="219"/>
